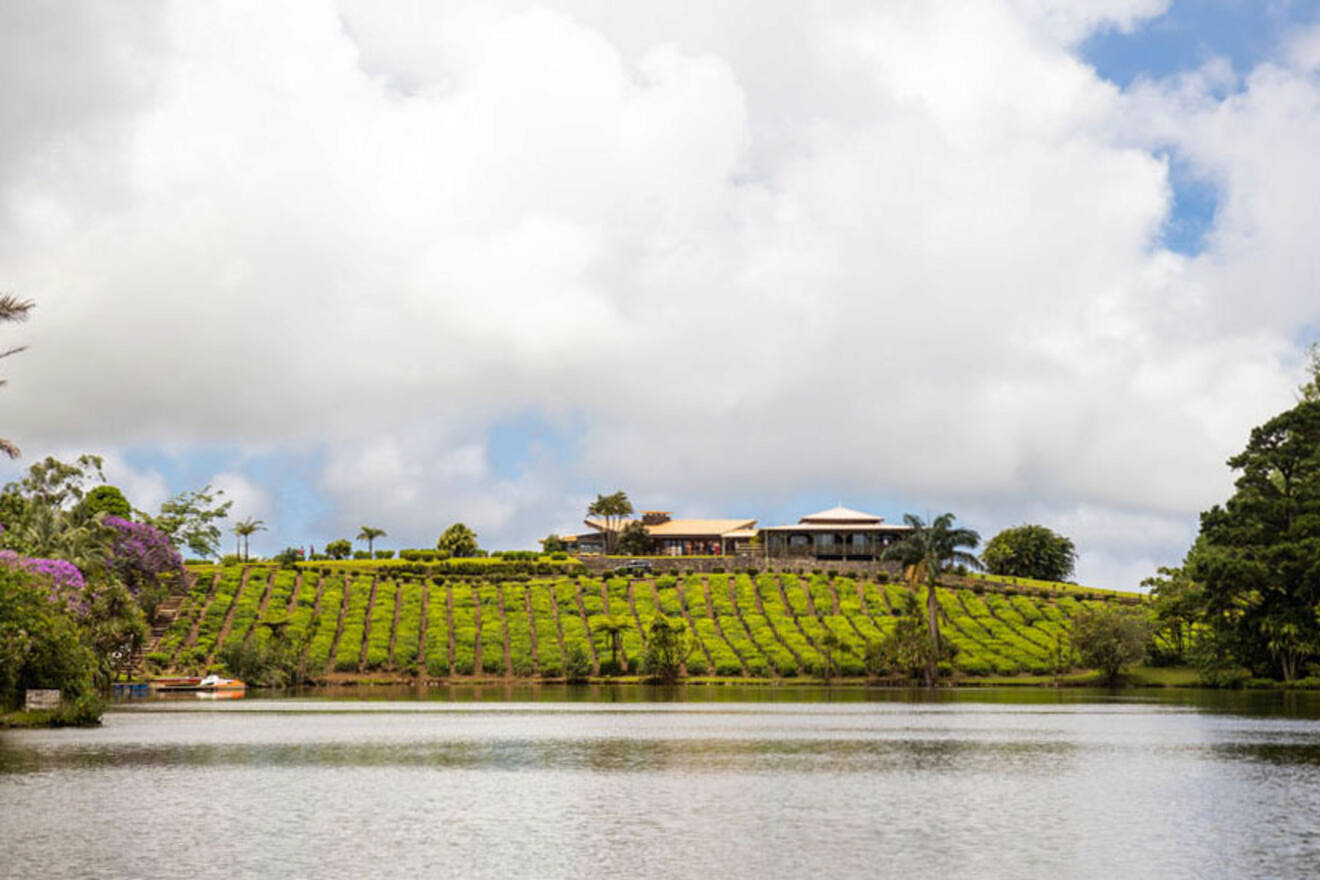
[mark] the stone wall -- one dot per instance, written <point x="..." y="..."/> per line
<point x="709" y="564"/>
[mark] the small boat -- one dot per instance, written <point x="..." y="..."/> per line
<point x="211" y="684"/>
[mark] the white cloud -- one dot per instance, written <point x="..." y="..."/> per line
<point x="907" y="248"/>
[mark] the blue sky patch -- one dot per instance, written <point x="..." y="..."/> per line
<point x="1246" y="32"/>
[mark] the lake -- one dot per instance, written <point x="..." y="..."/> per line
<point x="732" y="782"/>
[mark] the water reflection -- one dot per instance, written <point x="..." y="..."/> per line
<point x="752" y="782"/>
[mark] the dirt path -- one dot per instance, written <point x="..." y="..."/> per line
<point x="197" y="624"/>
<point x="366" y="624"/>
<point x="315" y="622"/>
<point x="504" y="625"/>
<point x="682" y="604"/>
<point x="449" y="615"/>
<point x="478" y="659"/>
<point x="339" y="624"/>
<point x="591" y="637"/>
<point x="228" y="622"/>
<point x="632" y="609"/>
<point x="531" y="632"/>
<point x="866" y="605"/>
<point x="292" y="604"/>
<point x="421" y="629"/>
<point x="714" y="616"/>
<point x="769" y="621"/>
<point x="838" y="612"/>
<point x="261" y="607"/>
<point x="394" y="624"/>
<point x="738" y="612"/>
<point x="811" y="603"/>
<point x="783" y="594"/>
<point x="605" y="602"/>
<point x="559" y="627"/>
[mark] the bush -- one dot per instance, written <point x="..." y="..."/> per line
<point x="1107" y="639"/>
<point x="259" y="663"/>
<point x="288" y="557"/>
<point x="384" y="554"/>
<point x="339" y="548"/>
<point x="577" y="663"/>
<point x="361" y="554"/>
<point x="40" y="643"/>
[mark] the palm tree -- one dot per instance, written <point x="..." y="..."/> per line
<point x="368" y="534"/>
<point x="244" y="529"/>
<point x="611" y="509"/>
<point x="614" y="626"/>
<point x="12" y="309"/>
<point x="927" y="552"/>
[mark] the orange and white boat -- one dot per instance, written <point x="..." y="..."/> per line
<point x="212" y="684"/>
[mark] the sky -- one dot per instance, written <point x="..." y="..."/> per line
<point x="408" y="264"/>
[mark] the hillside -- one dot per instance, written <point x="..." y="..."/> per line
<point x="369" y="619"/>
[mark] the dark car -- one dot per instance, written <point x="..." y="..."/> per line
<point x="634" y="567"/>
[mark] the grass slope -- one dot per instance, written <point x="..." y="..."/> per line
<point x="765" y="626"/>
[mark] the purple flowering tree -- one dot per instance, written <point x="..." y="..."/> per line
<point x="66" y="582"/>
<point x="141" y="556"/>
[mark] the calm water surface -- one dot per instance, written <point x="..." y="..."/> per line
<point x="726" y="782"/>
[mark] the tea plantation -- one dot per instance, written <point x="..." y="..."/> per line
<point x="370" y="620"/>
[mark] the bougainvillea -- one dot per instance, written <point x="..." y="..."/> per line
<point x="141" y="556"/>
<point x="67" y="585"/>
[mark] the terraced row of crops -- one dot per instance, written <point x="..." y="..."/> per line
<point x="769" y="625"/>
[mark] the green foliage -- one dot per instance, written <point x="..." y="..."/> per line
<point x="1309" y="391"/>
<point x="339" y="548"/>
<point x="552" y="543"/>
<point x="1030" y="551"/>
<point x="666" y="646"/>
<point x="361" y="554"/>
<point x="1258" y="557"/>
<point x="384" y="554"/>
<point x="40" y="643"/>
<point x="908" y="649"/>
<point x="633" y="540"/>
<point x="1176" y="602"/>
<point x="261" y="662"/>
<point x="458" y="541"/>
<point x="105" y="499"/>
<point x="114" y="628"/>
<point x="1107" y="639"/>
<point x="44" y="516"/>
<point x="577" y="662"/>
<point x="189" y="519"/>
<point x="288" y="557"/>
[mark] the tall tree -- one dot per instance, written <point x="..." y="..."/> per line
<point x="368" y="534"/>
<point x="1310" y="389"/>
<point x="190" y="519"/>
<point x="610" y="511"/>
<point x="1030" y="551"/>
<point x="12" y="309"/>
<point x="927" y="552"/>
<point x="245" y="529"/>
<point x="1258" y="557"/>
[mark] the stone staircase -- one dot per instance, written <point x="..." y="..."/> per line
<point x="166" y="612"/>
